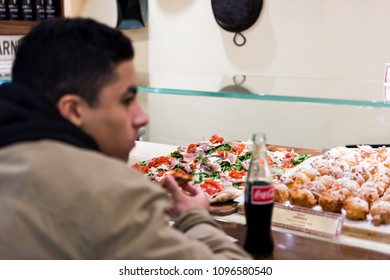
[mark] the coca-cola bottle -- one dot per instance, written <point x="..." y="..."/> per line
<point x="259" y="201"/>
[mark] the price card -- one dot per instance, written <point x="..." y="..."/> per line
<point x="320" y="223"/>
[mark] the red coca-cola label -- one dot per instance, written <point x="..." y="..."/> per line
<point x="262" y="194"/>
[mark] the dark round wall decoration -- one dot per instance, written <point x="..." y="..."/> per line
<point x="236" y="15"/>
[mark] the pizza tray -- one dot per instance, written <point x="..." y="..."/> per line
<point x="223" y="209"/>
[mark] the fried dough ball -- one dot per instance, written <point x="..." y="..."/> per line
<point x="327" y="180"/>
<point x="366" y="151"/>
<point x="316" y="187"/>
<point x="326" y="167"/>
<point x="367" y="193"/>
<point x="310" y="172"/>
<point x="295" y="180"/>
<point x="350" y="159"/>
<point x="281" y="192"/>
<point x="382" y="174"/>
<point x="344" y="165"/>
<point x="345" y="184"/>
<point x="355" y="176"/>
<point x="332" y="200"/>
<point x="365" y="169"/>
<point x="383" y="153"/>
<point x="379" y="186"/>
<point x="334" y="171"/>
<point x="386" y="195"/>
<point x="380" y="212"/>
<point x="356" y="208"/>
<point x="386" y="161"/>
<point x="302" y="197"/>
<point x="337" y="153"/>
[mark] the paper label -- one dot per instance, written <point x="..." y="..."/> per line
<point x="262" y="194"/>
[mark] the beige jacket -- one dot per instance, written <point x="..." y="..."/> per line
<point x="61" y="202"/>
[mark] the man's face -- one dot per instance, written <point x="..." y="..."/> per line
<point x="116" y="118"/>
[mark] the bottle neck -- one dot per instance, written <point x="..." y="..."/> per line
<point x="259" y="169"/>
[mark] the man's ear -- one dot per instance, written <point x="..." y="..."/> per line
<point x="70" y="107"/>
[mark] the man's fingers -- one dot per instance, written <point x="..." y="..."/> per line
<point x="192" y="190"/>
<point x="173" y="187"/>
<point x="170" y="184"/>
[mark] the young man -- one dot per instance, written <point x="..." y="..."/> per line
<point x="67" y="123"/>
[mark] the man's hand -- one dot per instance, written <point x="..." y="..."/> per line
<point x="184" y="197"/>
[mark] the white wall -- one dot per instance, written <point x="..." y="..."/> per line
<point x="301" y="38"/>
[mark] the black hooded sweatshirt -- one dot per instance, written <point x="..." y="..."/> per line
<point x="27" y="116"/>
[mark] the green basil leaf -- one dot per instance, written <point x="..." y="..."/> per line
<point x="177" y="155"/>
<point x="224" y="147"/>
<point x="300" y="158"/>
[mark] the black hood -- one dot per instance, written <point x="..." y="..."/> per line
<point x="26" y="116"/>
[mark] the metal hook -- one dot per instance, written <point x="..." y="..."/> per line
<point x="235" y="39"/>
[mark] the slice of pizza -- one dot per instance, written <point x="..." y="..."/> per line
<point x="181" y="177"/>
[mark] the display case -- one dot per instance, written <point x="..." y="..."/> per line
<point x="315" y="113"/>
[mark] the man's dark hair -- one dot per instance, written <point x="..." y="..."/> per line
<point x="77" y="56"/>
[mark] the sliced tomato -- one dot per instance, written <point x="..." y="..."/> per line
<point x="288" y="165"/>
<point x="289" y="155"/>
<point x="270" y="162"/>
<point x="237" y="174"/>
<point x="223" y="154"/>
<point x="191" y="148"/>
<point x="156" y="162"/>
<point x="238" y="149"/>
<point x="216" y="139"/>
<point x="143" y="168"/>
<point x="193" y="164"/>
<point x="211" y="187"/>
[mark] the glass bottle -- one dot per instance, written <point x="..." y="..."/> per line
<point x="51" y="9"/>
<point x="259" y="201"/>
<point x="13" y="9"/>
<point x="40" y="9"/>
<point x="26" y="10"/>
<point x="3" y="10"/>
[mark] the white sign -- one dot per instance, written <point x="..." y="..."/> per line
<point x="8" y="45"/>
<point x="320" y="223"/>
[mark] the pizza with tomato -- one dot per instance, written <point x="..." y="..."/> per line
<point x="216" y="166"/>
